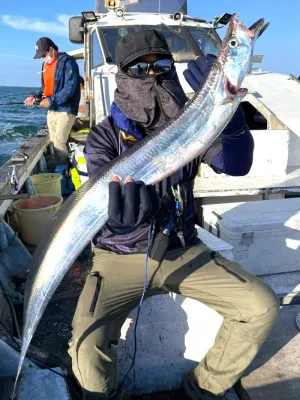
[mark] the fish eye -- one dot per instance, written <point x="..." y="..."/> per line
<point x="233" y="43"/>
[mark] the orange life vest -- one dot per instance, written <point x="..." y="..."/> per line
<point x="48" y="77"/>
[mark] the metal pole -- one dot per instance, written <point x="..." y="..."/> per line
<point x="97" y="7"/>
<point x="14" y="196"/>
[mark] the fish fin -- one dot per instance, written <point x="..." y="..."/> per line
<point x="256" y="28"/>
<point x="266" y="25"/>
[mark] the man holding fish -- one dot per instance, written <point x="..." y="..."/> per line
<point x="160" y="220"/>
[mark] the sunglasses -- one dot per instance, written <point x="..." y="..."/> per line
<point x="141" y="68"/>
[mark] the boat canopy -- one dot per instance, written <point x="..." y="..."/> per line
<point x="77" y="54"/>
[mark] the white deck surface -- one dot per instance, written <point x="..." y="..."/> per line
<point x="229" y="185"/>
<point x="280" y="94"/>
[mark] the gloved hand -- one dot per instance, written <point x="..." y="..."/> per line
<point x="137" y="206"/>
<point x="198" y="71"/>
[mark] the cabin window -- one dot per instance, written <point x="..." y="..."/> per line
<point x="178" y="38"/>
<point x="97" y="56"/>
<point x="206" y="39"/>
<point x="255" y="120"/>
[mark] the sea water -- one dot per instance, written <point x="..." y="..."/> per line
<point x="17" y="122"/>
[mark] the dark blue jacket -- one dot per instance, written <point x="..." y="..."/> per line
<point x="66" y="95"/>
<point x="232" y="154"/>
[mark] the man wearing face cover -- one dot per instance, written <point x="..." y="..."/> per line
<point x="60" y="93"/>
<point x="148" y="95"/>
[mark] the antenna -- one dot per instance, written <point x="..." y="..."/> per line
<point x="97" y="6"/>
<point x="184" y="7"/>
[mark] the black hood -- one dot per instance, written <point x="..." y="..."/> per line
<point x="151" y="101"/>
<point x="135" y="45"/>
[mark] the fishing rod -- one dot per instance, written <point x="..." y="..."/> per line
<point x="18" y="103"/>
<point x="12" y="103"/>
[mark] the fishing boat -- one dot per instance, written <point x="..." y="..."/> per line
<point x="254" y="220"/>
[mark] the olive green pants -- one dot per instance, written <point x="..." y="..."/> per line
<point x="114" y="288"/>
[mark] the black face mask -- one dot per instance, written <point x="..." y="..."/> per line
<point x="151" y="101"/>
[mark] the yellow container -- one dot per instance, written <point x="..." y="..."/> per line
<point x="35" y="216"/>
<point x="46" y="183"/>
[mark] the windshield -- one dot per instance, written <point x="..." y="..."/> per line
<point x="178" y="40"/>
<point x="152" y="6"/>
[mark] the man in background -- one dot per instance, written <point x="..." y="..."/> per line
<point x="60" y="93"/>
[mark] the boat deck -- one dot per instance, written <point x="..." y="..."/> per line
<point x="32" y="149"/>
<point x="274" y="374"/>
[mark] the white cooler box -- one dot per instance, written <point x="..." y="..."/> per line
<point x="265" y="235"/>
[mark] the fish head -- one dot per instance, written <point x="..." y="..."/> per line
<point x="236" y="54"/>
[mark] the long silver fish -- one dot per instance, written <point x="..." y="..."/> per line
<point x="151" y="160"/>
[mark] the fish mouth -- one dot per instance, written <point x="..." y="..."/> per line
<point x="233" y="90"/>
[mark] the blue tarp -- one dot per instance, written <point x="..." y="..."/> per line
<point x="14" y="258"/>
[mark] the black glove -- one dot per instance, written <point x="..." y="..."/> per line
<point x="136" y="207"/>
<point x="198" y="71"/>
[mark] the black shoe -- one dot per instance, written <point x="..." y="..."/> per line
<point x="194" y="392"/>
<point x="122" y="395"/>
<point x="117" y="395"/>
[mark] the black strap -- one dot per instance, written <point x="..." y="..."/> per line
<point x="188" y="185"/>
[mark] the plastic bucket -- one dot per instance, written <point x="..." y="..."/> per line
<point x="35" y="215"/>
<point x="46" y="183"/>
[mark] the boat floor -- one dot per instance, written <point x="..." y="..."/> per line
<point x="55" y="328"/>
<point x="274" y="374"/>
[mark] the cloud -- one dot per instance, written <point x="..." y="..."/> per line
<point x="60" y="27"/>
